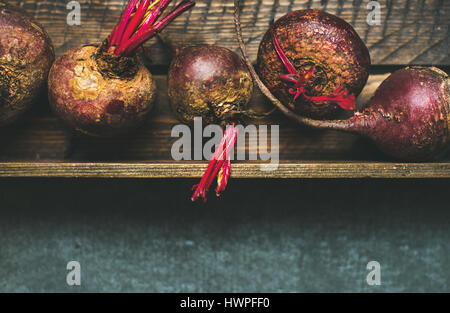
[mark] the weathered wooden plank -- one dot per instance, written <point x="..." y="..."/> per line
<point x="40" y="136"/>
<point x="411" y="31"/>
<point x="316" y="170"/>
<point x="39" y="146"/>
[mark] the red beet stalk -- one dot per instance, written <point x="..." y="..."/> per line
<point x="220" y="166"/>
<point x="118" y="30"/>
<point x="140" y="21"/>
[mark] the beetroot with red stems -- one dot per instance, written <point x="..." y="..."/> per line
<point x="314" y="62"/>
<point x="408" y="117"/>
<point x="106" y="90"/>
<point x="26" y="55"/>
<point x="212" y="83"/>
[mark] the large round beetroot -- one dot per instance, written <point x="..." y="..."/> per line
<point x="26" y="55"/>
<point x="105" y="90"/>
<point x="209" y="82"/>
<point x="314" y="62"/>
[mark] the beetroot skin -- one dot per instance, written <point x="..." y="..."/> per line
<point x="326" y="63"/>
<point x="95" y="101"/>
<point x="209" y="82"/>
<point x="26" y="55"/>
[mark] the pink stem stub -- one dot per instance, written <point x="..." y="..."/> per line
<point x="219" y="166"/>
<point x="140" y="21"/>
<point x="295" y="82"/>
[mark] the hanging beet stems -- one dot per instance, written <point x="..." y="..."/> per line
<point x="141" y="21"/>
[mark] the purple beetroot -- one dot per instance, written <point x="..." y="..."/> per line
<point x="314" y="62"/>
<point x="26" y="55"/>
<point x="209" y="82"/>
<point x="213" y="83"/>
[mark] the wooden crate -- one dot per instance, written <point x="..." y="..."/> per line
<point x="412" y="32"/>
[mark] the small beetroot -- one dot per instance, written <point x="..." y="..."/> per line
<point x="26" y="55"/>
<point x="106" y="90"/>
<point x="209" y="82"/>
<point x="314" y="62"/>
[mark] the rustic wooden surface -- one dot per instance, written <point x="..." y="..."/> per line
<point x="315" y="170"/>
<point x="411" y="31"/>
<point x="40" y="136"/>
<point x="40" y="146"/>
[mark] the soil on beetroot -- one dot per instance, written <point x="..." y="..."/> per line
<point x="95" y="101"/>
<point x="325" y="49"/>
<point x="209" y="82"/>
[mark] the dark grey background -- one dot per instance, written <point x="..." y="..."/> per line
<point x="262" y="236"/>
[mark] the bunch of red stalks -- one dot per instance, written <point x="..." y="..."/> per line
<point x="220" y="165"/>
<point x="140" y="22"/>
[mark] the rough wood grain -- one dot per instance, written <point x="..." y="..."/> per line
<point x="39" y="146"/>
<point x="40" y="136"/>
<point x="411" y="31"/>
<point x="240" y="170"/>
